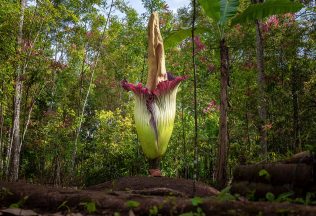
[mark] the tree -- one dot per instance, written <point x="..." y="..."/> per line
<point x="219" y="12"/>
<point x="60" y="42"/>
<point x="153" y="5"/>
<point x="262" y="110"/>
<point x="257" y="12"/>
<point x="16" y="138"/>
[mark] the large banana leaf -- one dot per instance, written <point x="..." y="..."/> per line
<point x="228" y="10"/>
<point x="218" y="10"/>
<point x="211" y="8"/>
<point x="266" y="9"/>
<point x="175" y="37"/>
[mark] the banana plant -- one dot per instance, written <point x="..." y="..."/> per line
<point x="221" y="11"/>
<point x="155" y="103"/>
<point x="222" y="14"/>
<point x="265" y="9"/>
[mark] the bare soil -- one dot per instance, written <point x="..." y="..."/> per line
<point x="134" y="196"/>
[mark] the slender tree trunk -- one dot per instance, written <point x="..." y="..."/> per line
<point x="185" y="171"/>
<point x="15" y="154"/>
<point x="83" y="64"/>
<point x="247" y="130"/>
<point x="93" y="68"/>
<point x="221" y="172"/>
<point x="27" y="122"/>
<point x="1" y="138"/>
<point x="296" y="121"/>
<point x="15" y="138"/>
<point x="8" y="153"/>
<point x="57" y="171"/>
<point x="262" y="110"/>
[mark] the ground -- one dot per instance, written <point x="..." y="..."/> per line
<point x="135" y="196"/>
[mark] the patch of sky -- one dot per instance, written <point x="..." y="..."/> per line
<point x="174" y="5"/>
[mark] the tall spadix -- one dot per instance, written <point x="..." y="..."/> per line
<point x="156" y="54"/>
<point x="155" y="104"/>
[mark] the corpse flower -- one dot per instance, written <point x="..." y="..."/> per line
<point x="155" y="103"/>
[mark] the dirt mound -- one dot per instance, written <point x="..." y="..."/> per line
<point x="133" y="196"/>
<point x="159" y="186"/>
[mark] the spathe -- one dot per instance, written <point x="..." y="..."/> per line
<point x="155" y="104"/>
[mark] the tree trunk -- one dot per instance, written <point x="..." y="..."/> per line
<point x="221" y="172"/>
<point x="1" y="138"/>
<point x="185" y="171"/>
<point x="262" y="110"/>
<point x="15" y="154"/>
<point x="8" y="153"/>
<point x="56" y="177"/>
<point x="296" y="125"/>
<point x="247" y="130"/>
<point x="93" y="68"/>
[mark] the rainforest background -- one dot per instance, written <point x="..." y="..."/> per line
<point x="63" y="61"/>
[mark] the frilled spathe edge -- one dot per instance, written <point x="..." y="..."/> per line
<point x="162" y="88"/>
<point x="163" y="113"/>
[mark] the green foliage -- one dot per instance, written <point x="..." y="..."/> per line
<point x="199" y="212"/>
<point x="284" y="197"/>
<point x="90" y="207"/>
<point x="220" y="11"/>
<point x="311" y="148"/>
<point x="64" y="206"/>
<point x="270" y="196"/>
<point x="154" y="5"/>
<point x="132" y="204"/>
<point x="4" y="192"/>
<point x="309" y="199"/>
<point x="264" y="173"/>
<point x="228" y="9"/>
<point x="251" y="196"/>
<point x="115" y="148"/>
<point x="61" y="42"/>
<point x="196" y="201"/>
<point x="153" y="211"/>
<point x="212" y="8"/>
<point x="176" y="36"/>
<point x="225" y="195"/>
<point x="20" y="203"/>
<point x="266" y="9"/>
